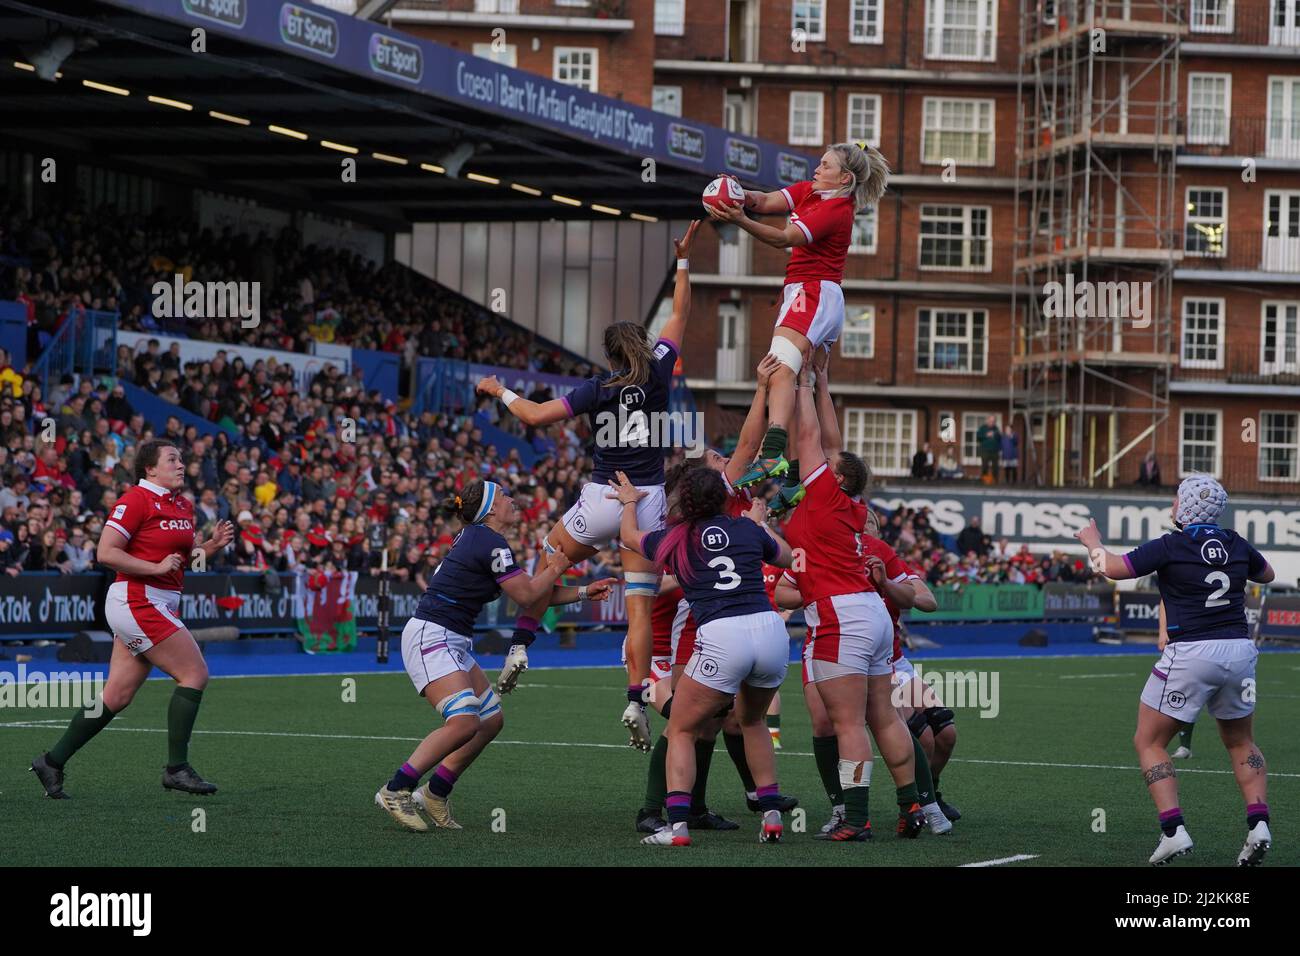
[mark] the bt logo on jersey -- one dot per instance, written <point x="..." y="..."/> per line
<point x="714" y="539"/>
<point x="1213" y="552"/>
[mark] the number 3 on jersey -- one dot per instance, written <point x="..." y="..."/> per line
<point x="726" y="572"/>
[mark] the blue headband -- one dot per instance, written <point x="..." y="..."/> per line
<point x="490" y="489"/>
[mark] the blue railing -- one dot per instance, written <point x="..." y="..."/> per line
<point x="85" y="343"/>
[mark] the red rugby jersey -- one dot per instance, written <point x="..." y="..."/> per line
<point x="827" y="224"/>
<point x="156" y="522"/>
<point x="828" y="526"/>
<point x="662" y="613"/>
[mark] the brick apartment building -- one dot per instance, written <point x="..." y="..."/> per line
<point x="944" y="281"/>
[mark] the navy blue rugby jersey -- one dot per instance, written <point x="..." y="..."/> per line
<point x="467" y="578"/>
<point x="632" y="415"/>
<point x="1202" y="572"/>
<point x="726" y="568"/>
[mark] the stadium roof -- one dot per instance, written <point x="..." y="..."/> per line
<point x="358" y="85"/>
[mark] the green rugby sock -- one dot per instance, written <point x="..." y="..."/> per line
<point x="774" y="442"/>
<point x="181" y="714"/>
<point x="855" y="779"/>
<point x="907" y="796"/>
<point x="736" y="751"/>
<point x="826" y="751"/>
<point x="924" y="782"/>
<point x="656" y="783"/>
<point x="1185" y="735"/>
<point x="703" y="759"/>
<point x="80" y="730"/>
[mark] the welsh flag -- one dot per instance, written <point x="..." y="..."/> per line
<point x="323" y="606"/>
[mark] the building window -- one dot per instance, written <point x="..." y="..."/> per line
<point x="1206" y="231"/>
<point x="805" y="118"/>
<point x="953" y="341"/>
<point x="670" y="17"/>
<point x="1279" y="446"/>
<point x="858" y="340"/>
<point x="810" y="17"/>
<point x="667" y="99"/>
<point x="971" y="423"/>
<point x="1279" y="345"/>
<point x="959" y="129"/>
<point x="577" y="66"/>
<point x="960" y="29"/>
<point x="1199" y="442"/>
<point x="884" y="438"/>
<point x="1202" y="333"/>
<point x="864" y="21"/>
<point x="1281" y="231"/>
<point x="863" y="237"/>
<point x="1212" y="16"/>
<point x="496" y="6"/>
<point x="1284" y="112"/>
<point x="506" y="55"/>
<point x="1209" y="108"/>
<point x="955" y="238"/>
<point x="864" y="118"/>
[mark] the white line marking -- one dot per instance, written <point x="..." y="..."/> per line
<point x="1090" y="676"/>
<point x="1006" y="859"/>
<point x="44" y="725"/>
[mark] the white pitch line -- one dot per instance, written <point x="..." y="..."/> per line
<point x="44" y="725"/>
<point x="1006" y="859"/>
<point x="1091" y="676"/>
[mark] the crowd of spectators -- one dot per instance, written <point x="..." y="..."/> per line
<point x="972" y="556"/>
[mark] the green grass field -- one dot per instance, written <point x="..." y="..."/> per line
<point x="298" y="769"/>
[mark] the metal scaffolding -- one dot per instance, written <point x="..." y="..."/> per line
<point x="1097" y="134"/>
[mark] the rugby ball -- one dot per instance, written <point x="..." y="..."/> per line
<point x="723" y="191"/>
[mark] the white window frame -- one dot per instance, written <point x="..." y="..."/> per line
<point x="808" y="140"/>
<point x="967" y="239"/>
<point x="968" y="339"/>
<point x="860" y="11"/>
<point x="985" y="30"/>
<point x="660" y="90"/>
<point x="1215" y="137"/>
<point x="871" y="131"/>
<point x="1287" y="144"/>
<point x="496" y="6"/>
<point x="564" y="51"/>
<point x="1191" y="218"/>
<point x="665" y="23"/>
<point x="1219" y="346"/>
<point x="811" y="37"/>
<point x="1282" y="252"/>
<point x="905" y="424"/>
<point x="1198" y="23"/>
<point x="865" y="314"/>
<point x="1280" y="346"/>
<point x="1295" y="460"/>
<point x="871" y="213"/>
<point x="932" y="109"/>
<point x="1218" y="440"/>
<point x="508" y="56"/>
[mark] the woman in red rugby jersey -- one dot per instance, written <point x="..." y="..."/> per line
<point x="148" y="539"/>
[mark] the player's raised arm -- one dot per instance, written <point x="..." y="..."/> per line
<point x="832" y="440"/>
<point x="1114" y="566"/>
<point x="783" y="556"/>
<point x="675" y="327"/>
<point x="751" y="432"/>
<point x="779" y="237"/>
<point x="595" y="591"/>
<point x="530" y="413"/>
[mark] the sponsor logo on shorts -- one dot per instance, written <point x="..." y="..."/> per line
<point x="708" y="667"/>
<point x="715" y="539"/>
<point x="580" y="524"/>
<point x="1176" y="700"/>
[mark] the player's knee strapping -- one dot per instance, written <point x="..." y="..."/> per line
<point x="918" y="722"/>
<point x="786" y="352"/>
<point x="489" y="705"/>
<point x="939" y="718"/>
<point x="641" y="584"/>
<point x="464" y="703"/>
